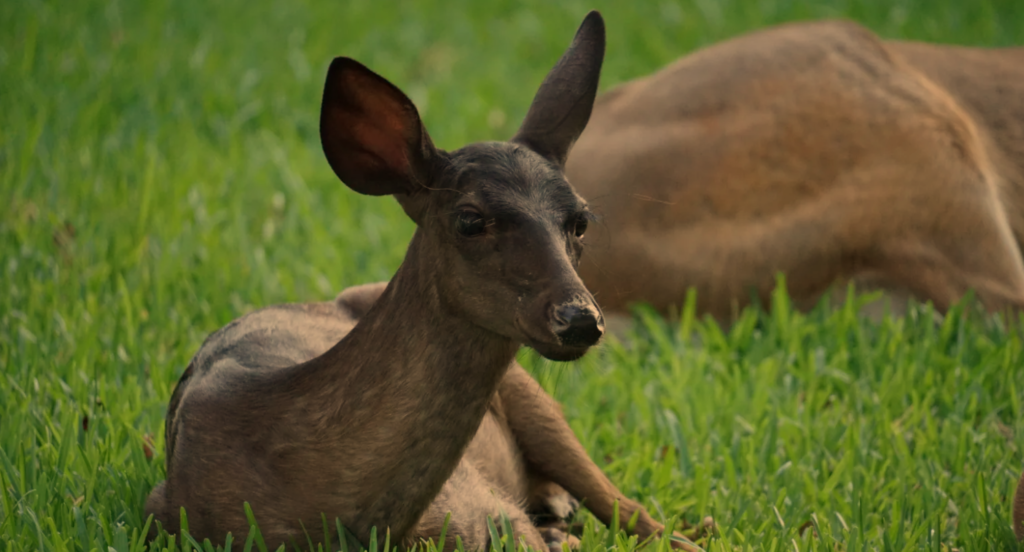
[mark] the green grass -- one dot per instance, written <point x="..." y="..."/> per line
<point x="160" y="175"/>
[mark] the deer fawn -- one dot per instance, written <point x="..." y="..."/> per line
<point x="399" y="402"/>
<point x="816" y="150"/>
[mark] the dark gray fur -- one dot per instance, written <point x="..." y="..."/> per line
<point x="399" y="402"/>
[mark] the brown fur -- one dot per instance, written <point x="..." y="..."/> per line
<point x="1018" y="509"/>
<point x="399" y="402"/>
<point x="816" y="150"/>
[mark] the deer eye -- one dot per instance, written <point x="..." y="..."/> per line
<point x="470" y="224"/>
<point x="579" y="225"/>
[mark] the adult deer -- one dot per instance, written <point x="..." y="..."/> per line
<point x="816" y="150"/>
<point x="399" y="402"/>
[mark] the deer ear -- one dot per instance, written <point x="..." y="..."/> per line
<point x="371" y="132"/>
<point x="562" y="106"/>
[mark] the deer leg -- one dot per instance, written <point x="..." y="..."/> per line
<point x="945" y="272"/>
<point x="471" y="499"/>
<point x="552" y="452"/>
<point x="971" y="247"/>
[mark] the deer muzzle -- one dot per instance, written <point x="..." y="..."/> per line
<point x="577" y="324"/>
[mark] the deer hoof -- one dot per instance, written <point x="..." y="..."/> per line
<point x="555" y="537"/>
<point x="685" y="541"/>
<point x="553" y="506"/>
<point x="563" y="506"/>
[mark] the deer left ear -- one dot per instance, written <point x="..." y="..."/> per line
<point x="563" y="104"/>
<point x="371" y="132"/>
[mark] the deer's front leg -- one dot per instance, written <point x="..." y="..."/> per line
<point x="552" y="451"/>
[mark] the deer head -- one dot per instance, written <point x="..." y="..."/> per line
<point x="499" y="226"/>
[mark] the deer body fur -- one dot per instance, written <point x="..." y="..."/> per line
<point x="813" y="149"/>
<point x="522" y="442"/>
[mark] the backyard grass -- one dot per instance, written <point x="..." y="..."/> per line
<point x="161" y="174"/>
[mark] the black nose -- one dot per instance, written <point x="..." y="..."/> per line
<point x="577" y="326"/>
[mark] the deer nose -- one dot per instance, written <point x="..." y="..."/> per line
<point x="576" y="325"/>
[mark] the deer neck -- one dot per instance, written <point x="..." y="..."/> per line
<point x="404" y="393"/>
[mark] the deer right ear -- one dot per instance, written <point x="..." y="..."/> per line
<point x="562" y="106"/>
<point x="371" y="132"/>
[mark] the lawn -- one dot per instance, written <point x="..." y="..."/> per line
<point x="161" y="174"/>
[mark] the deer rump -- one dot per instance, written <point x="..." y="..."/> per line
<point x="816" y="150"/>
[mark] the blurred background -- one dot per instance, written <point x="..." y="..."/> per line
<point x="179" y="138"/>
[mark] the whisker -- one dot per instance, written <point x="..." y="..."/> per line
<point x="651" y="199"/>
